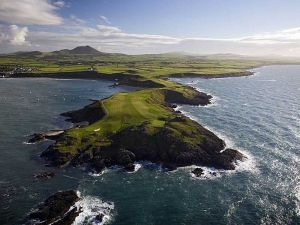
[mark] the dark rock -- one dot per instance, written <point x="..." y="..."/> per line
<point x="44" y="175"/>
<point x="37" y="137"/>
<point x="69" y="217"/>
<point x="169" y="166"/>
<point x="55" y="209"/>
<point x="129" y="167"/>
<point x="173" y="106"/>
<point x="199" y="98"/>
<point x="98" y="164"/>
<point x="177" y="119"/>
<point x="55" y="158"/>
<point x="188" y="144"/>
<point x="198" y="172"/>
<point x="227" y="159"/>
<point x="125" y="158"/>
<point x="81" y="158"/>
<point x="99" y="218"/>
<point x="211" y="76"/>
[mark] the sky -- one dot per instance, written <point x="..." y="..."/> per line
<point x="256" y="27"/>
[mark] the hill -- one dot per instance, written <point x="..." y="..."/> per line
<point x="84" y="50"/>
<point x="80" y="50"/>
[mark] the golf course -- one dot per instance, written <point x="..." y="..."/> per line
<point x="137" y="125"/>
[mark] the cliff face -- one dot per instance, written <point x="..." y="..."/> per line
<point x="90" y="113"/>
<point x="180" y="142"/>
<point x="211" y="76"/>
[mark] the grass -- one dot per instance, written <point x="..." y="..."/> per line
<point x="148" y="66"/>
<point x="125" y="110"/>
<point x="122" y="110"/>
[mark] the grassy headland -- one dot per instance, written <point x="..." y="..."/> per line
<point x="140" y="125"/>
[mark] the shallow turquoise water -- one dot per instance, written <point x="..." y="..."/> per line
<point x="259" y="115"/>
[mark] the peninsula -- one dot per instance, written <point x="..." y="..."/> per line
<point x="137" y="125"/>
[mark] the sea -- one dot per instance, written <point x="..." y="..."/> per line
<point x="258" y="115"/>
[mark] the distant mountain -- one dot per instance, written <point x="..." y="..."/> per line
<point x="80" y="50"/>
<point x="87" y="52"/>
<point x="84" y="50"/>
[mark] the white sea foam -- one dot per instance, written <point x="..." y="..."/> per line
<point x="106" y="170"/>
<point x="246" y="165"/>
<point x="27" y="143"/>
<point x="214" y="101"/>
<point x="203" y="90"/>
<point x="150" y="165"/>
<point x="213" y="173"/>
<point x="297" y="194"/>
<point x="229" y="143"/>
<point x="137" y="166"/>
<point x="67" y="79"/>
<point x="96" y="174"/>
<point x="91" y="207"/>
<point x="268" y="80"/>
<point x="208" y="173"/>
<point x="179" y="108"/>
<point x="255" y="72"/>
<point x="193" y="82"/>
<point x="74" y="178"/>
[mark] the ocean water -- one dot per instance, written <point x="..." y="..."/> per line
<point x="258" y="115"/>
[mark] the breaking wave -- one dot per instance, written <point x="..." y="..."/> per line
<point x="94" y="211"/>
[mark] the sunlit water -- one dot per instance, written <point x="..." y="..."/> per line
<point x="259" y="115"/>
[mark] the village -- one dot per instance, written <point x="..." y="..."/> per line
<point x="7" y="71"/>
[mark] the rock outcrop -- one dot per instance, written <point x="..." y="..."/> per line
<point x="56" y="210"/>
<point x="198" y="172"/>
<point x="180" y="142"/>
<point x="51" y="135"/>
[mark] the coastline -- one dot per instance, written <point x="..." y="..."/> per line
<point x="212" y="76"/>
<point x="212" y="169"/>
<point x="215" y="154"/>
<point x="102" y="76"/>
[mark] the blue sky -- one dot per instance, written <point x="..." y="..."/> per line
<point x="256" y="27"/>
<point x="192" y="18"/>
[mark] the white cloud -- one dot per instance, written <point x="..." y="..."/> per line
<point x="18" y="35"/>
<point x="59" y="4"/>
<point x="76" y="20"/>
<point x="13" y="35"/>
<point x="108" y="29"/>
<point x="113" y="39"/>
<point x="29" y="12"/>
<point x="287" y="36"/>
<point x="104" y="19"/>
